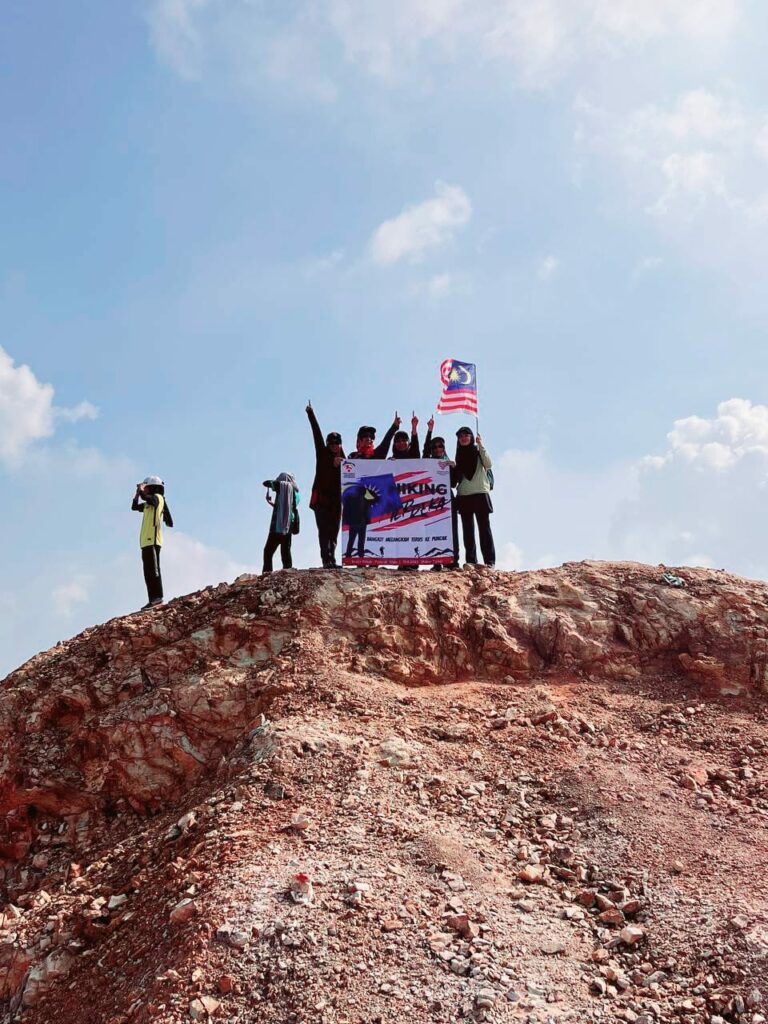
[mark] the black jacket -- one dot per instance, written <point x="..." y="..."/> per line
<point x="412" y="451"/>
<point x="382" y="450"/>
<point x="326" y="487"/>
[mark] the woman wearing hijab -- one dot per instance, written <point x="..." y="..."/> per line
<point x="285" y="519"/>
<point x="150" y="500"/>
<point x="473" y="495"/>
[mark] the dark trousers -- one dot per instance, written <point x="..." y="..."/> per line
<point x="455" y="522"/>
<point x="328" y="520"/>
<point x="275" y="541"/>
<point x="150" y="557"/>
<point x="483" y="518"/>
<point x="357" y="535"/>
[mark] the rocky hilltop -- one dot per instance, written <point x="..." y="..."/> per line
<point x="356" y="797"/>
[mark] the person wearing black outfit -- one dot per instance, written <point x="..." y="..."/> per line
<point x="325" y="500"/>
<point x="402" y="446"/>
<point x="366" y="437"/>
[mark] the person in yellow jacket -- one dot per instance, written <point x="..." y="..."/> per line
<point x="149" y="499"/>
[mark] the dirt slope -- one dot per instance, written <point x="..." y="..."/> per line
<point x="536" y="797"/>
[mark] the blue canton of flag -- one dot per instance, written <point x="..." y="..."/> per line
<point x="459" y="387"/>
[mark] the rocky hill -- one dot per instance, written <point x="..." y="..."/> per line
<point x="357" y="797"/>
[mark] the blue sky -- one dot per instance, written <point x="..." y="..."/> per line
<point x="212" y="210"/>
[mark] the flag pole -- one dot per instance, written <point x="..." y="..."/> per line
<point x="477" y="401"/>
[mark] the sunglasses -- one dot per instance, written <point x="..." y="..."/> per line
<point x="438" y="446"/>
<point x="367" y="436"/>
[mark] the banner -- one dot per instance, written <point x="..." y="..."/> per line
<point x="396" y="512"/>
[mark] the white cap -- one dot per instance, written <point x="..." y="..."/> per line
<point x="153" y="480"/>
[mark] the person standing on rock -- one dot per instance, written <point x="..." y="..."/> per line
<point x="365" y="439"/>
<point x="473" y="495"/>
<point x="325" y="500"/>
<point x="285" y="520"/>
<point x="434" y="448"/>
<point x="150" y="500"/>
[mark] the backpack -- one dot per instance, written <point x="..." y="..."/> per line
<point x="489" y="474"/>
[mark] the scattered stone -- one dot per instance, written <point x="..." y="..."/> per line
<point x="395" y="753"/>
<point x="183" y="911"/>
<point x="461" y="923"/>
<point x="532" y="873"/>
<point x="203" y="1007"/>
<point x="632" y="934"/>
<point x="613" y="917"/>
<point x="553" y="946"/>
<point x="485" y="999"/>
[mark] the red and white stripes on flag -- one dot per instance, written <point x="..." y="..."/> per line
<point x="459" y="387"/>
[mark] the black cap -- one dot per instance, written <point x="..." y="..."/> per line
<point x="367" y="431"/>
<point x="438" y="440"/>
<point x="401" y="435"/>
<point x="333" y="438"/>
<point x="465" y="430"/>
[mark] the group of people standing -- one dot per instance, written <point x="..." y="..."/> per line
<point x="471" y="482"/>
<point x="470" y="477"/>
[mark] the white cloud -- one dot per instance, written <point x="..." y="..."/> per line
<point x="702" y="151"/>
<point x="538" y="40"/>
<point x="26" y="409"/>
<point x="739" y="431"/>
<point x="176" y="35"/>
<point x="638" y="20"/>
<point x="422" y="227"/>
<point x="81" y="411"/>
<point x="700" y="501"/>
<point x="547" y="267"/>
<point x="439" y="286"/>
<point x="68" y="597"/>
<point x="27" y="412"/>
<point x="189" y="565"/>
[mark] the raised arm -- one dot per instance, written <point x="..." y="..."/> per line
<point x="413" y="447"/>
<point x="427" y="450"/>
<point x="383" y="449"/>
<point x="317" y="434"/>
<point x="485" y="458"/>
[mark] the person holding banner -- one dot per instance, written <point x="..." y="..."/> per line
<point x="473" y="495"/>
<point x="325" y="501"/>
<point x="365" y="439"/>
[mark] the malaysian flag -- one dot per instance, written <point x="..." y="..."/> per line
<point x="459" y="387"/>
